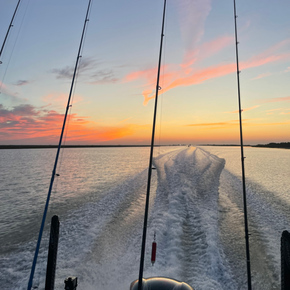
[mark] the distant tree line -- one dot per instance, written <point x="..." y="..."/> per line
<point x="284" y="145"/>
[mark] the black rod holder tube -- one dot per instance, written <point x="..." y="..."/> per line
<point x="52" y="253"/>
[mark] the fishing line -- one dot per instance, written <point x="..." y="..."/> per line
<point x="14" y="44"/>
<point x="76" y="82"/>
<point x="57" y="154"/>
<point x="8" y="30"/>
<point x="61" y="158"/>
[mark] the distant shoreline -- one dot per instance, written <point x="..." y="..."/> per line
<point x="282" y="145"/>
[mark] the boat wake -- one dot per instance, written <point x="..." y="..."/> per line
<point x="186" y="218"/>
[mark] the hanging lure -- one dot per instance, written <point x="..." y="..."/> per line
<point x="153" y="252"/>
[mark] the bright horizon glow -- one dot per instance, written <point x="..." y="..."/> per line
<point x="115" y="89"/>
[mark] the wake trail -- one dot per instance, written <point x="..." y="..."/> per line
<point x="185" y="217"/>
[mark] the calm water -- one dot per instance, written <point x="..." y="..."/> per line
<point x="196" y="211"/>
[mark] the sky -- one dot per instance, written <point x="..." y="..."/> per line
<point x="114" y="93"/>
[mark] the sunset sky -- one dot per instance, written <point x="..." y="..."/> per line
<point x="114" y="94"/>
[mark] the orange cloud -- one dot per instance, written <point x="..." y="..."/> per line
<point x="230" y="123"/>
<point x="234" y="123"/>
<point x="25" y="122"/>
<point x="125" y="120"/>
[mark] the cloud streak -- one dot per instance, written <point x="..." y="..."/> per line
<point x="230" y="123"/>
<point x="277" y="100"/>
<point x="261" y="76"/>
<point x="21" y="83"/>
<point x="192" y="13"/>
<point x="235" y="123"/>
<point x="244" y="110"/>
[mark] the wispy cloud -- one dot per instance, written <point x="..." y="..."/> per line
<point x="235" y="123"/>
<point x="85" y="65"/>
<point x="275" y="100"/>
<point x="192" y="13"/>
<point x="8" y="95"/>
<point x="280" y="111"/>
<point x="273" y="110"/>
<point x="20" y="83"/>
<point x="226" y="123"/>
<point x="244" y="110"/>
<point x="206" y="49"/>
<point x="125" y="120"/>
<point x="261" y="76"/>
<point x="60" y="100"/>
<point x="89" y="68"/>
<point x="103" y="77"/>
<point x="229" y="123"/>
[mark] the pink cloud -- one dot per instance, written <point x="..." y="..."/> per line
<point x="206" y="49"/>
<point x="184" y="75"/>
<point x="261" y="76"/>
<point x="274" y="100"/>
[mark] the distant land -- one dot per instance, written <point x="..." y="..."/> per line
<point x="282" y="145"/>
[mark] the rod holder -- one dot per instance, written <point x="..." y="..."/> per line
<point x="285" y="260"/>
<point x="52" y="253"/>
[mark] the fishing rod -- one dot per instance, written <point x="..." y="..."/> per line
<point x="58" y="151"/>
<point x="7" y="33"/>
<point x="242" y="157"/>
<point x="151" y="158"/>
